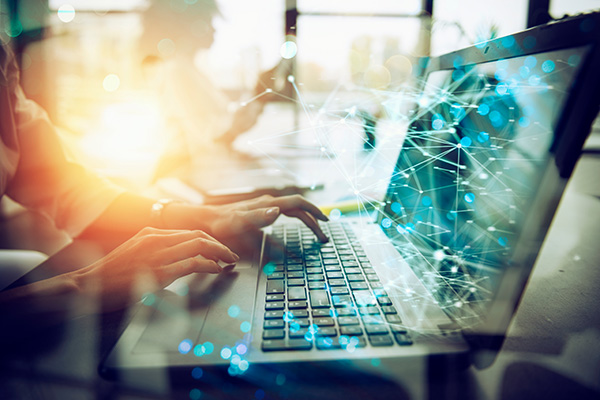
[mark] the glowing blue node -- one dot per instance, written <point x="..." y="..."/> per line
<point x="458" y="74"/>
<point x="410" y="227"/>
<point x="529" y="42"/>
<point x="466" y="142"/>
<point x="235" y="359"/>
<point x="225" y="353"/>
<point x="386" y="223"/>
<point x="197" y="373"/>
<point x="530" y="62"/>
<point x="396" y="207"/>
<point x="245" y="326"/>
<point x="185" y="346"/>
<point x="260" y="394"/>
<point x="495" y="116"/>
<point x="524" y="72"/>
<point x="288" y="316"/>
<point x="483" y="109"/>
<point x="426" y="201"/>
<point x="437" y="124"/>
<point x="501" y="74"/>
<point x="451" y="216"/>
<point x="376" y="362"/>
<point x="294" y="327"/>
<point x="483" y="137"/>
<point x="241" y="349"/>
<point x="508" y="42"/>
<point x="344" y="340"/>
<point x="469" y="197"/>
<point x="208" y="347"/>
<point x="524" y="122"/>
<point x="269" y="268"/>
<point x="458" y="60"/>
<point x="195" y="394"/>
<point x="199" y="350"/>
<point x="234" y="310"/>
<point x="401" y="230"/>
<point x="290" y="78"/>
<point x="502" y="89"/>
<point x="335" y="214"/>
<point x="503" y="241"/>
<point x="548" y="66"/>
<point x="288" y="50"/>
<point x="534" y="80"/>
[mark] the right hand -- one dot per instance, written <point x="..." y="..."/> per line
<point x="151" y="260"/>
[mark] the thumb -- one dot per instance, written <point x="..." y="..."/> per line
<point x="262" y="216"/>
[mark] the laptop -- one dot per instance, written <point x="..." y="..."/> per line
<point x="437" y="270"/>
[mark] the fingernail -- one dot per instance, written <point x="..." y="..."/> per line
<point x="235" y="257"/>
<point x="272" y="211"/>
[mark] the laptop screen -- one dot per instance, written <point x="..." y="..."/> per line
<point x="469" y="168"/>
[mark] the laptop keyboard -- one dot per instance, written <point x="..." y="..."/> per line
<point x="325" y="295"/>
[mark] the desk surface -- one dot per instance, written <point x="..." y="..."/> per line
<point x="552" y="349"/>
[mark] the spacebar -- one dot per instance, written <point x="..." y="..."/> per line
<point x="290" y="344"/>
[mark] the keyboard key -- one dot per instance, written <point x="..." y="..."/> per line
<point x="337" y="282"/>
<point x="381" y="340"/>
<point x="349" y="264"/>
<point x="372" y="319"/>
<point x="389" y="310"/>
<point x="384" y="301"/>
<point x="297" y="304"/>
<point x="393" y="318"/>
<point x="368" y="311"/>
<point x="329" y="255"/>
<point x="313" y="264"/>
<point x="327" y="332"/>
<point x="296" y="282"/>
<point x="331" y="261"/>
<point x="348" y="321"/>
<point x="295" y="267"/>
<point x="275" y="287"/>
<point x="351" y="330"/>
<point x="358" y="286"/>
<point x="339" y="290"/>
<point x="324" y="321"/>
<point x="355" y="278"/>
<point x="295" y="274"/>
<point x="341" y="300"/>
<point x="275" y="297"/>
<point x="333" y="268"/>
<point x="319" y="299"/>
<point x="335" y="275"/>
<point x="296" y="293"/>
<point x="297" y="333"/>
<point x="273" y="324"/>
<point x="317" y="285"/>
<point x="376" y="285"/>
<point x="346" y="312"/>
<point x="275" y="305"/>
<point x="274" y="315"/>
<point x="322" y="313"/>
<point x="276" y="275"/>
<point x="403" y="339"/>
<point x="290" y="344"/>
<point x="380" y="293"/>
<point x="299" y="313"/>
<point x="299" y="323"/>
<point x="375" y="329"/>
<point x="364" y="299"/>
<point x="314" y="270"/>
<point x="315" y="277"/>
<point x="274" y="334"/>
<point x="398" y="329"/>
<point x="324" y="343"/>
<point x="353" y="270"/>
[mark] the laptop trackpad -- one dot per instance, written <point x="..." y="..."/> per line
<point x="199" y="309"/>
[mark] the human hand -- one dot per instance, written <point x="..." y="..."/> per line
<point x="151" y="260"/>
<point x="242" y="218"/>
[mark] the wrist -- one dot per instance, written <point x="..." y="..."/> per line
<point x="188" y="216"/>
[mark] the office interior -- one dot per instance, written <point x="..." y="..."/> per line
<point x="81" y="61"/>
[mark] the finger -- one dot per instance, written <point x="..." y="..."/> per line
<point x="191" y="265"/>
<point x="167" y="238"/>
<point x="207" y="248"/>
<point x="257" y="218"/>
<point x="309" y="221"/>
<point x="297" y="201"/>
